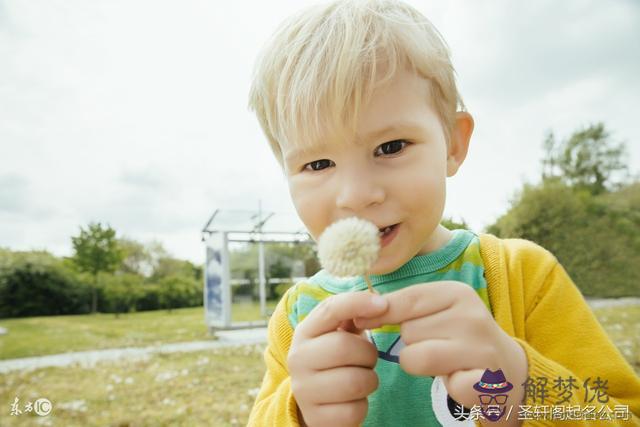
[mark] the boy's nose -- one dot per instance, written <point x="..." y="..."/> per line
<point x="358" y="190"/>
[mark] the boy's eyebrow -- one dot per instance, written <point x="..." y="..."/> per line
<point x="406" y="125"/>
<point x="296" y="153"/>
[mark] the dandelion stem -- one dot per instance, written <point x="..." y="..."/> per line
<point x="366" y="279"/>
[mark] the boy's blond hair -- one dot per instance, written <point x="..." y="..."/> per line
<point x="324" y="62"/>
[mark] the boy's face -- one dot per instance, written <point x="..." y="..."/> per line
<point x="393" y="171"/>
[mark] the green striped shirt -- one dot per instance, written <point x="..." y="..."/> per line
<point x="402" y="399"/>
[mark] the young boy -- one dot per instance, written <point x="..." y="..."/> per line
<point x="359" y="103"/>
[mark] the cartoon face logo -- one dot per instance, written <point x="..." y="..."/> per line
<point x="493" y="398"/>
<point x="493" y="406"/>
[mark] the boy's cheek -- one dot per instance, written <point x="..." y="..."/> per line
<point x="312" y="208"/>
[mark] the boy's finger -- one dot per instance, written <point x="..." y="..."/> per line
<point x="333" y="311"/>
<point x="413" y="302"/>
<point x="339" y="348"/>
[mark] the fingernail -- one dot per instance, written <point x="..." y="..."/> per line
<point x="379" y="301"/>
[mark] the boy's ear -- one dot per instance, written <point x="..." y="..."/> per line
<point x="459" y="144"/>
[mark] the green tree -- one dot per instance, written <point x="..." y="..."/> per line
<point x="544" y="213"/>
<point x="122" y="292"/>
<point x="179" y="291"/>
<point x="96" y="250"/>
<point x="136" y="258"/>
<point x="156" y="252"/>
<point x="581" y="213"/>
<point x="278" y="269"/>
<point x="595" y="237"/>
<point x="450" y="224"/>
<point x="169" y="266"/>
<point x="588" y="159"/>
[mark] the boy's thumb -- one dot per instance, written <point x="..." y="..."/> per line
<point x="379" y="304"/>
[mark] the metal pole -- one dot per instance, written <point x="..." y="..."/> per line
<point x="226" y="283"/>
<point x="261" y="267"/>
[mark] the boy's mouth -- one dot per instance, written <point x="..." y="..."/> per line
<point x="388" y="234"/>
<point x="386" y="230"/>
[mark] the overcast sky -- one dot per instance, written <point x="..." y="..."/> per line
<point x="134" y="112"/>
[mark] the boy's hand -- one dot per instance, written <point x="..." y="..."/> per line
<point x="448" y="331"/>
<point x="331" y="364"/>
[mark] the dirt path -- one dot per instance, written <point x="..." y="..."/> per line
<point x="90" y="358"/>
<point x="612" y="302"/>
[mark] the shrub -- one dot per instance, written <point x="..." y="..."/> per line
<point x="179" y="291"/>
<point x="121" y="292"/>
<point x="29" y="288"/>
<point x="149" y="298"/>
<point x="595" y="237"/>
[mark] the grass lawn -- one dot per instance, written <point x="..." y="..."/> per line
<point x="213" y="387"/>
<point x="208" y="388"/>
<point x="623" y="327"/>
<point x="37" y="336"/>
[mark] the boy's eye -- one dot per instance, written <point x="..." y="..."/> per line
<point x="391" y="147"/>
<point x="318" y="165"/>
<point x="388" y="148"/>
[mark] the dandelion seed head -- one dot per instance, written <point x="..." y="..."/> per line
<point x="349" y="247"/>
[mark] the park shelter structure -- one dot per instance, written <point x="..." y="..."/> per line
<point x="226" y="227"/>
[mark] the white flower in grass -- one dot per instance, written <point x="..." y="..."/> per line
<point x="166" y="376"/>
<point x="349" y="247"/>
<point x="74" y="405"/>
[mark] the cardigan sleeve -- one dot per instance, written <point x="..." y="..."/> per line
<point x="564" y="340"/>
<point x="275" y="404"/>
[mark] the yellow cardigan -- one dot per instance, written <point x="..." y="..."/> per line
<point x="535" y="302"/>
